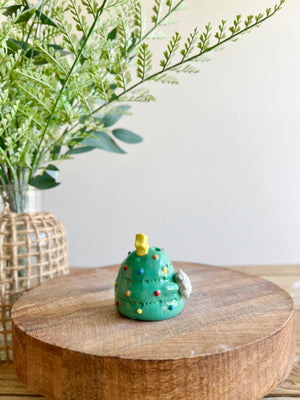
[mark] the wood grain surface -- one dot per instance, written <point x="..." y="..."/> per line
<point x="234" y="340"/>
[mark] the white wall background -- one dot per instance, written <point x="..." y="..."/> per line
<point x="217" y="178"/>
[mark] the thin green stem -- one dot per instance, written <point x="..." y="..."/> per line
<point x="3" y="176"/>
<point x="11" y="167"/>
<point x="36" y="156"/>
<point x="29" y="32"/>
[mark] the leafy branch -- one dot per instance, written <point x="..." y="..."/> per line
<point x="203" y="45"/>
<point x="189" y="45"/>
<point x="35" y="159"/>
<point x="171" y="50"/>
<point x="61" y="93"/>
<point x="144" y="61"/>
<point x="157" y="10"/>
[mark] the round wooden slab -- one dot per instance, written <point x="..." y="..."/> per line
<point x="234" y="340"/>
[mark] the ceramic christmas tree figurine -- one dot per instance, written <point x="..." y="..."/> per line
<point x="147" y="287"/>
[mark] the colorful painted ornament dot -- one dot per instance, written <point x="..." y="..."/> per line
<point x="115" y="283"/>
<point x="139" y="311"/>
<point x="157" y="293"/>
<point x="127" y="293"/>
<point x="164" y="270"/>
<point x="117" y="303"/>
<point x="140" y="271"/>
<point x="171" y="307"/>
<point x="125" y="267"/>
<point x="155" y="257"/>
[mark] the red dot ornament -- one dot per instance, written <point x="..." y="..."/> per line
<point x="157" y="293"/>
<point x="125" y="267"/>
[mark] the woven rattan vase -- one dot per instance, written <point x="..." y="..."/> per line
<point x="33" y="249"/>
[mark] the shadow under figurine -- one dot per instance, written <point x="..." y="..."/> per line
<point x="146" y="287"/>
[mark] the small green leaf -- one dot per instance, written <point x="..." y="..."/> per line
<point x="127" y="136"/>
<point x="25" y="15"/>
<point x="46" y="20"/>
<point x="52" y="171"/>
<point x="9" y="11"/>
<point x="16" y="45"/>
<point x="47" y="180"/>
<point x="113" y="117"/>
<point x="31" y="53"/>
<point x="80" y="150"/>
<point x="55" y="152"/>
<point x="112" y="34"/>
<point x="43" y="182"/>
<point x="102" y="141"/>
<point x="58" y="48"/>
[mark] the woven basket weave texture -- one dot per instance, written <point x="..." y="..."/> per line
<point x="33" y="249"/>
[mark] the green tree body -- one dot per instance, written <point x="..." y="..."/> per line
<point x="145" y="288"/>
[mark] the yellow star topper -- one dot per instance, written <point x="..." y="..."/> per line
<point x="141" y="244"/>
